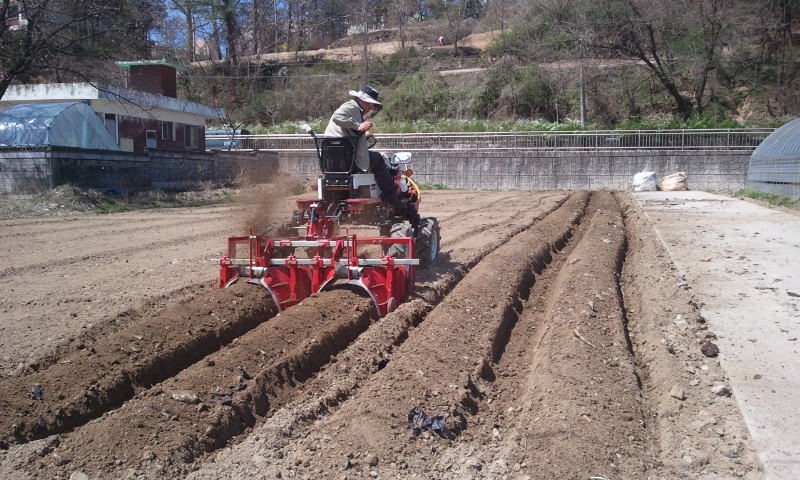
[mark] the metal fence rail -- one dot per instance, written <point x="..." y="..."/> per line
<point x="745" y="139"/>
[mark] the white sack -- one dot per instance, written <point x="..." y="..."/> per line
<point x="644" y="182"/>
<point x="674" y="182"/>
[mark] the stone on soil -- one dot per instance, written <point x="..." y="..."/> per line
<point x="185" y="396"/>
<point x="721" y="390"/>
<point x="710" y="349"/>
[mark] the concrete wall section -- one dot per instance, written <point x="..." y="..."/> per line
<point x="24" y="173"/>
<point x="543" y="170"/>
<point x="556" y="170"/>
<point x="99" y="169"/>
<point x="28" y="172"/>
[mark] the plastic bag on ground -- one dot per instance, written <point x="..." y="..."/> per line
<point x="644" y="182"/>
<point x="674" y="182"/>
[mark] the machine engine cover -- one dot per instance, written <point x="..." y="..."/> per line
<point x="367" y="181"/>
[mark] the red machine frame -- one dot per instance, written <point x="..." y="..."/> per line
<point x="335" y="261"/>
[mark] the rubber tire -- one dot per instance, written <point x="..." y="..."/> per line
<point x="429" y="241"/>
<point x="399" y="230"/>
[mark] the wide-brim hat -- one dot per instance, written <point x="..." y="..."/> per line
<point x="367" y="94"/>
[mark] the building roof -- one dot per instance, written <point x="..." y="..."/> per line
<point x="140" y="63"/>
<point x="67" y="124"/>
<point x="93" y="91"/>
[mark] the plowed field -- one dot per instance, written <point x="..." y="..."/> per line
<point x="553" y="339"/>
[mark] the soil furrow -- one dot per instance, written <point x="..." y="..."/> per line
<point x="43" y="226"/>
<point x="208" y="403"/>
<point x="435" y="369"/>
<point x="102" y="375"/>
<point x="102" y="225"/>
<point x="561" y="424"/>
<point x="555" y="338"/>
<point x="502" y="394"/>
<point x="226" y="428"/>
<point x="460" y="260"/>
<point x="134" y="246"/>
<point x="78" y="299"/>
<point x="459" y="214"/>
<point x="666" y="331"/>
<point x="457" y="239"/>
<point x="108" y="325"/>
<point x="372" y="351"/>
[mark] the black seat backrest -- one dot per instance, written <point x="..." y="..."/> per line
<point x="338" y="155"/>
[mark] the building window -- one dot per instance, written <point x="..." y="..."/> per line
<point x="192" y="136"/>
<point x="167" y="131"/>
<point x="152" y="142"/>
<point x="110" y="121"/>
<point x="12" y="11"/>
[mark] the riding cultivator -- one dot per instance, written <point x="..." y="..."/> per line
<point x="310" y="253"/>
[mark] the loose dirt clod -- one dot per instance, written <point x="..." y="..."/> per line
<point x="709" y="349"/>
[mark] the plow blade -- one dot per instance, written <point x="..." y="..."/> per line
<point x="386" y="280"/>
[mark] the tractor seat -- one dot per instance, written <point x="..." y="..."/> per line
<point x="337" y="154"/>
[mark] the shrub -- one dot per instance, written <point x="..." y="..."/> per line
<point x="419" y="97"/>
<point x="513" y="92"/>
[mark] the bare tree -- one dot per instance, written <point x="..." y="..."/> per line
<point x="499" y="13"/>
<point x="712" y="17"/>
<point x="189" y="8"/>
<point x="642" y="30"/>
<point x="455" y="12"/>
<point x="69" y="38"/>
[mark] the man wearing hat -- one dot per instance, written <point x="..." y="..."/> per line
<point x="348" y="121"/>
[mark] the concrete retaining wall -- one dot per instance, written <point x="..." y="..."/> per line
<point x="32" y="171"/>
<point x="26" y="172"/>
<point x="556" y="170"/>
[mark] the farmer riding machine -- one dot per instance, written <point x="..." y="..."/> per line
<point x="315" y="251"/>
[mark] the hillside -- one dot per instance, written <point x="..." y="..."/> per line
<point x="529" y="70"/>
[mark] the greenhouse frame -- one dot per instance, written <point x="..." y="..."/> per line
<point x="66" y="124"/>
<point x="775" y="163"/>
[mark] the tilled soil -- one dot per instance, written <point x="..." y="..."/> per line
<point x="96" y="378"/>
<point x="545" y="342"/>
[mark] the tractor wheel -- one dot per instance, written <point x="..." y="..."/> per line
<point x="428" y="241"/>
<point x="399" y="230"/>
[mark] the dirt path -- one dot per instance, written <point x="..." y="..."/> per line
<point x="748" y="287"/>
<point x="555" y="339"/>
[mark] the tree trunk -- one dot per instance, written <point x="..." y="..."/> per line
<point x="254" y="29"/>
<point x="275" y="46"/>
<point x="189" y="32"/>
<point x="231" y="29"/>
<point x="215" y="35"/>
